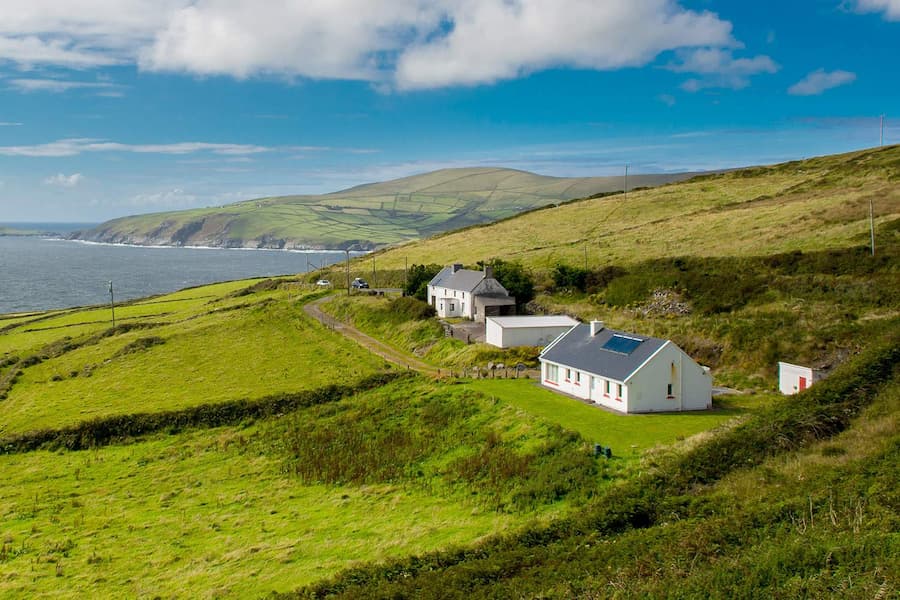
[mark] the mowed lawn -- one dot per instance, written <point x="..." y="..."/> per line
<point x="200" y="349"/>
<point x="200" y="515"/>
<point x="627" y="435"/>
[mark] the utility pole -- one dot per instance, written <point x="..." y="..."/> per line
<point x="373" y="269"/>
<point x="405" y="271"/>
<point x="348" y="271"/>
<point x="872" y="225"/>
<point x="585" y="256"/>
<point x="112" y="304"/>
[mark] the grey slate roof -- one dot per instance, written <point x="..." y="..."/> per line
<point x="463" y="280"/>
<point x="578" y="350"/>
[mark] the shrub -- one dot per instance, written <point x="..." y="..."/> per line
<point x="566" y="277"/>
<point x="517" y="281"/>
<point x="417" y="279"/>
<point x="411" y="309"/>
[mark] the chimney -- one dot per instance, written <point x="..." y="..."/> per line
<point x="488" y="272"/>
<point x="456" y="267"/>
<point x="596" y="327"/>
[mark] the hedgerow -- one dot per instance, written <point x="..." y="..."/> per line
<point x="119" y="428"/>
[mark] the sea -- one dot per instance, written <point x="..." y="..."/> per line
<point x="44" y="272"/>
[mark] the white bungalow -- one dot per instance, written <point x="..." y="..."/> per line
<point x="793" y="379"/>
<point x="507" y="332"/>
<point x="458" y="292"/>
<point x="623" y="371"/>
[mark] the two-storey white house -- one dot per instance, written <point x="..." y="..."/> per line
<point x="458" y="292"/>
<point x="623" y="371"/>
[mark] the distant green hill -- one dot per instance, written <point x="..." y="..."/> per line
<point x="366" y="216"/>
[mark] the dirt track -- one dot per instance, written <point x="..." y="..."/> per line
<point x="314" y="310"/>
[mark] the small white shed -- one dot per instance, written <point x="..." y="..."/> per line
<point x="507" y="332"/>
<point x="793" y="379"/>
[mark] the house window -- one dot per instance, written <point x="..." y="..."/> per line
<point x="577" y="377"/>
<point x="606" y="387"/>
<point x="451" y="307"/>
<point x="618" y="391"/>
<point x="568" y="374"/>
<point x="669" y="390"/>
<point x="552" y="374"/>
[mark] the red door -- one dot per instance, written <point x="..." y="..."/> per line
<point x="802" y="383"/>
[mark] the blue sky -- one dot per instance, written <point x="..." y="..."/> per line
<point x="115" y="107"/>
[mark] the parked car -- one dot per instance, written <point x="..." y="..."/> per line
<point x="360" y="284"/>
<point x="323" y="283"/>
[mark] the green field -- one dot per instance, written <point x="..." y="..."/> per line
<point x="202" y="514"/>
<point x="365" y="216"/>
<point x="199" y="346"/>
<point x="628" y="435"/>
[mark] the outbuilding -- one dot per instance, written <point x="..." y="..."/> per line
<point x="625" y="372"/>
<point x="793" y="379"/>
<point x="508" y="332"/>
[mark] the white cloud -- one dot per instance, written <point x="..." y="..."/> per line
<point x="58" y="86"/>
<point x="667" y="99"/>
<point x="718" y="68"/>
<point x="890" y="8"/>
<point x="820" y="80"/>
<point x="10" y="124"/>
<point x="496" y="39"/>
<point x="29" y="51"/>
<point x="75" y="146"/>
<point x="339" y="39"/>
<point x="66" y="181"/>
<point x="166" y="199"/>
<point x="406" y="44"/>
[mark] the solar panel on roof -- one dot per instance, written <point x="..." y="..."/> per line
<point x="622" y="344"/>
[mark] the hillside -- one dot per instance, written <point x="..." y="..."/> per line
<point x="366" y="216"/>
<point x="221" y="442"/>
<point x="813" y="204"/>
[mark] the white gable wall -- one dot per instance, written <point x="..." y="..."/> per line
<point x="790" y="376"/>
<point x="691" y="385"/>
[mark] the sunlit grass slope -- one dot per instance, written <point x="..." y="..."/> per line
<point x="368" y="215"/>
<point x="809" y="205"/>
<point x="198" y="346"/>
<point x="411" y="467"/>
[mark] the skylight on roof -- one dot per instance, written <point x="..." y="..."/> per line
<point x="622" y="344"/>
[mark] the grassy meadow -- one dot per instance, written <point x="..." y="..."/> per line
<point x="411" y="467"/>
<point x="197" y="346"/>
